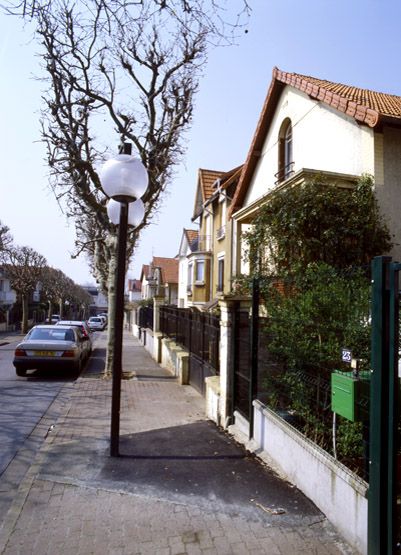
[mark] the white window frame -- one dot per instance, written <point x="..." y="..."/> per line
<point x="190" y="274"/>
<point x="200" y="278"/>
<point x="219" y="261"/>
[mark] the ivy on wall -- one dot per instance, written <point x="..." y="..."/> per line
<point x="317" y="222"/>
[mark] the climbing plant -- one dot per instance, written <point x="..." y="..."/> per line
<point x="317" y="221"/>
<point x="310" y="246"/>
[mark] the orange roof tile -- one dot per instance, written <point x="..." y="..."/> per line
<point x="366" y="106"/>
<point x="134" y="285"/>
<point x="169" y="268"/>
<point x="207" y="178"/>
<point x="192" y="236"/>
<point x="363" y="104"/>
<point x="145" y="271"/>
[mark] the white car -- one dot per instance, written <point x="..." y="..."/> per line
<point x="104" y="318"/>
<point x="53" y="319"/>
<point x="83" y="326"/>
<point x="96" y="323"/>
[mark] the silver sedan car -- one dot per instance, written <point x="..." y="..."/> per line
<point x="54" y="347"/>
<point x="83" y="326"/>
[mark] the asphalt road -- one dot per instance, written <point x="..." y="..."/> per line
<point x="23" y="403"/>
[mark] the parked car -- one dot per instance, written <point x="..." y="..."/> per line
<point x="53" y="320"/>
<point x="96" y="323"/>
<point x="53" y="347"/>
<point x="83" y="326"/>
<point x="104" y="316"/>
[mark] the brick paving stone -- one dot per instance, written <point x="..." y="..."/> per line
<point x="193" y="549"/>
<point x="222" y="545"/>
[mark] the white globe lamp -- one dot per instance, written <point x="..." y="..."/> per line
<point x="136" y="212"/>
<point x="124" y="178"/>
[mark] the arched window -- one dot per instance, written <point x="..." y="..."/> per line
<point x="285" y="161"/>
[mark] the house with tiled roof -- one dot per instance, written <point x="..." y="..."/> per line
<point x="160" y="278"/>
<point x="310" y="126"/>
<point x="205" y="261"/>
<point x="134" y="290"/>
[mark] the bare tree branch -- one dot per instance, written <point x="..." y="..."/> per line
<point x="120" y="70"/>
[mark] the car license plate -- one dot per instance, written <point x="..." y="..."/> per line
<point x="42" y="353"/>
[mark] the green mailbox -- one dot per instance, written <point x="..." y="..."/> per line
<point x="350" y="395"/>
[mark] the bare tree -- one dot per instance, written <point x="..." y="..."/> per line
<point x="49" y="289"/>
<point x="24" y="268"/>
<point x="6" y="239"/>
<point x="120" y="71"/>
<point x="80" y="300"/>
<point x="57" y="289"/>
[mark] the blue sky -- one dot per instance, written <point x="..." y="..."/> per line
<point x="356" y="42"/>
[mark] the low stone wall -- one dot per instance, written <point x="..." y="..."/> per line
<point x="213" y="399"/>
<point x="339" y="494"/>
<point x="136" y="330"/>
<point x="174" y="358"/>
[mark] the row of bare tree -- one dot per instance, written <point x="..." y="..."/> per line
<point x="26" y="268"/>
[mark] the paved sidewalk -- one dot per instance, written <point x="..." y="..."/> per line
<point x="181" y="486"/>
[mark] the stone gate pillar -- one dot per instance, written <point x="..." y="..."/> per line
<point x="225" y="382"/>
<point x="158" y="301"/>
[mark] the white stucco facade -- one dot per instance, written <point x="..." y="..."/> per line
<point x="183" y="269"/>
<point x="183" y="280"/>
<point x="7" y="294"/>
<point x="323" y="139"/>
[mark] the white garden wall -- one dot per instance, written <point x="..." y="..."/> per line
<point x="339" y="494"/>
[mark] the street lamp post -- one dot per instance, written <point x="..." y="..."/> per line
<point x="124" y="180"/>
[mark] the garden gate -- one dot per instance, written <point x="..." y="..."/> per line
<point x="245" y="349"/>
<point x="204" y="349"/>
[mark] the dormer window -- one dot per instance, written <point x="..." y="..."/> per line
<point x="285" y="161"/>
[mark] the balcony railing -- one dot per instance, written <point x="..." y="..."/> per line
<point x="284" y="173"/>
<point x="221" y="232"/>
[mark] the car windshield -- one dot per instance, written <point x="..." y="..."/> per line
<point x="95" y="320"/>
<point x="55" y="334"/>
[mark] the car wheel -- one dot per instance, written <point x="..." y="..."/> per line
<point x="20" y="372"/>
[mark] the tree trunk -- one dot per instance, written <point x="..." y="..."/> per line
<point x="50" y="311"/>
<point x="24" y="323"/>
<point x="111" y="305"/>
